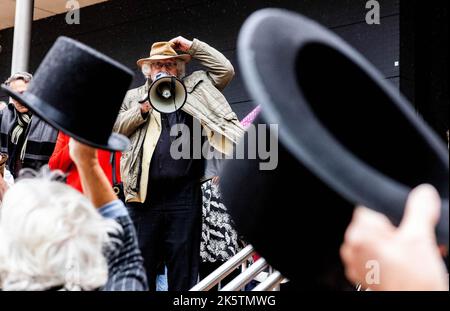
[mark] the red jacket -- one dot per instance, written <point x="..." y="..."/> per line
<point x="61" y="160"/>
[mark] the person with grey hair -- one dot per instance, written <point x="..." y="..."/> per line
<point x="163" y="192"/>
<point x="28" y="140"/>
<point x="52" y="237"/>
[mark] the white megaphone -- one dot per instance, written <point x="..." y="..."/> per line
<point x="166" y="94"/>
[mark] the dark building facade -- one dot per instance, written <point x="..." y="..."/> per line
<point x="125" y="29"/>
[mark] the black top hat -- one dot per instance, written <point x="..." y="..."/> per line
<point x="347" y="137"/>
<point x="79" y="91"/>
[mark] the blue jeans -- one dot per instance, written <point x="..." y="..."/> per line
<point x="161" y="282"/>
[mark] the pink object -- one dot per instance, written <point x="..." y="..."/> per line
<point x="248" y="120"/>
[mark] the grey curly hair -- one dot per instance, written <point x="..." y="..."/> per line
<point x="52" y="236"/>
<point x="21" y="75"/>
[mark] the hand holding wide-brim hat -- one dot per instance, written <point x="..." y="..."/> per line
<point x="163" y="50"/>
<point x="79" y="91"/>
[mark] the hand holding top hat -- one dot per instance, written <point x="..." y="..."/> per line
<point x="79" y="91"/>
<point x="347" y="137"/>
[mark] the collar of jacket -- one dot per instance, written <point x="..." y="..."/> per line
<point x="14" y="110"/>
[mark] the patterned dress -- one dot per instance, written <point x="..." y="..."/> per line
<point x="219" y="241"/>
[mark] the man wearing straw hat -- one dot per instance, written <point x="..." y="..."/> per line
<point x="164" y="193"/>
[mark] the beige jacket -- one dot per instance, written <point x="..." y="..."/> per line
<point x="205" y="102"/>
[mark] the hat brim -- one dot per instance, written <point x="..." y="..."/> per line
<point x="184" y="57"/>
<point x="116" y="142"/>
<point x="284" y="93"/>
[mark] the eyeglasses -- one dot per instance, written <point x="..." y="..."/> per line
<point x="168" y="65"/>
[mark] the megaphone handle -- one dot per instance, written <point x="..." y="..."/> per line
<point x="172" y="91"/>
<point x="143" y="100"/>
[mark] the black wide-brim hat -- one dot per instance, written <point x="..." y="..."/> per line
<point x="79" y="91"/>
<point x="346" y="137"/>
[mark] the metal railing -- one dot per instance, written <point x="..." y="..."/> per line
<point x="268" y="280"/>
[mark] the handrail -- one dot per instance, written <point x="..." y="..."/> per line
<point x="224" y="270"/>
<point x="268" y="280"/>
<point x="272" y="281"/>
<point x="242" y="279"/>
